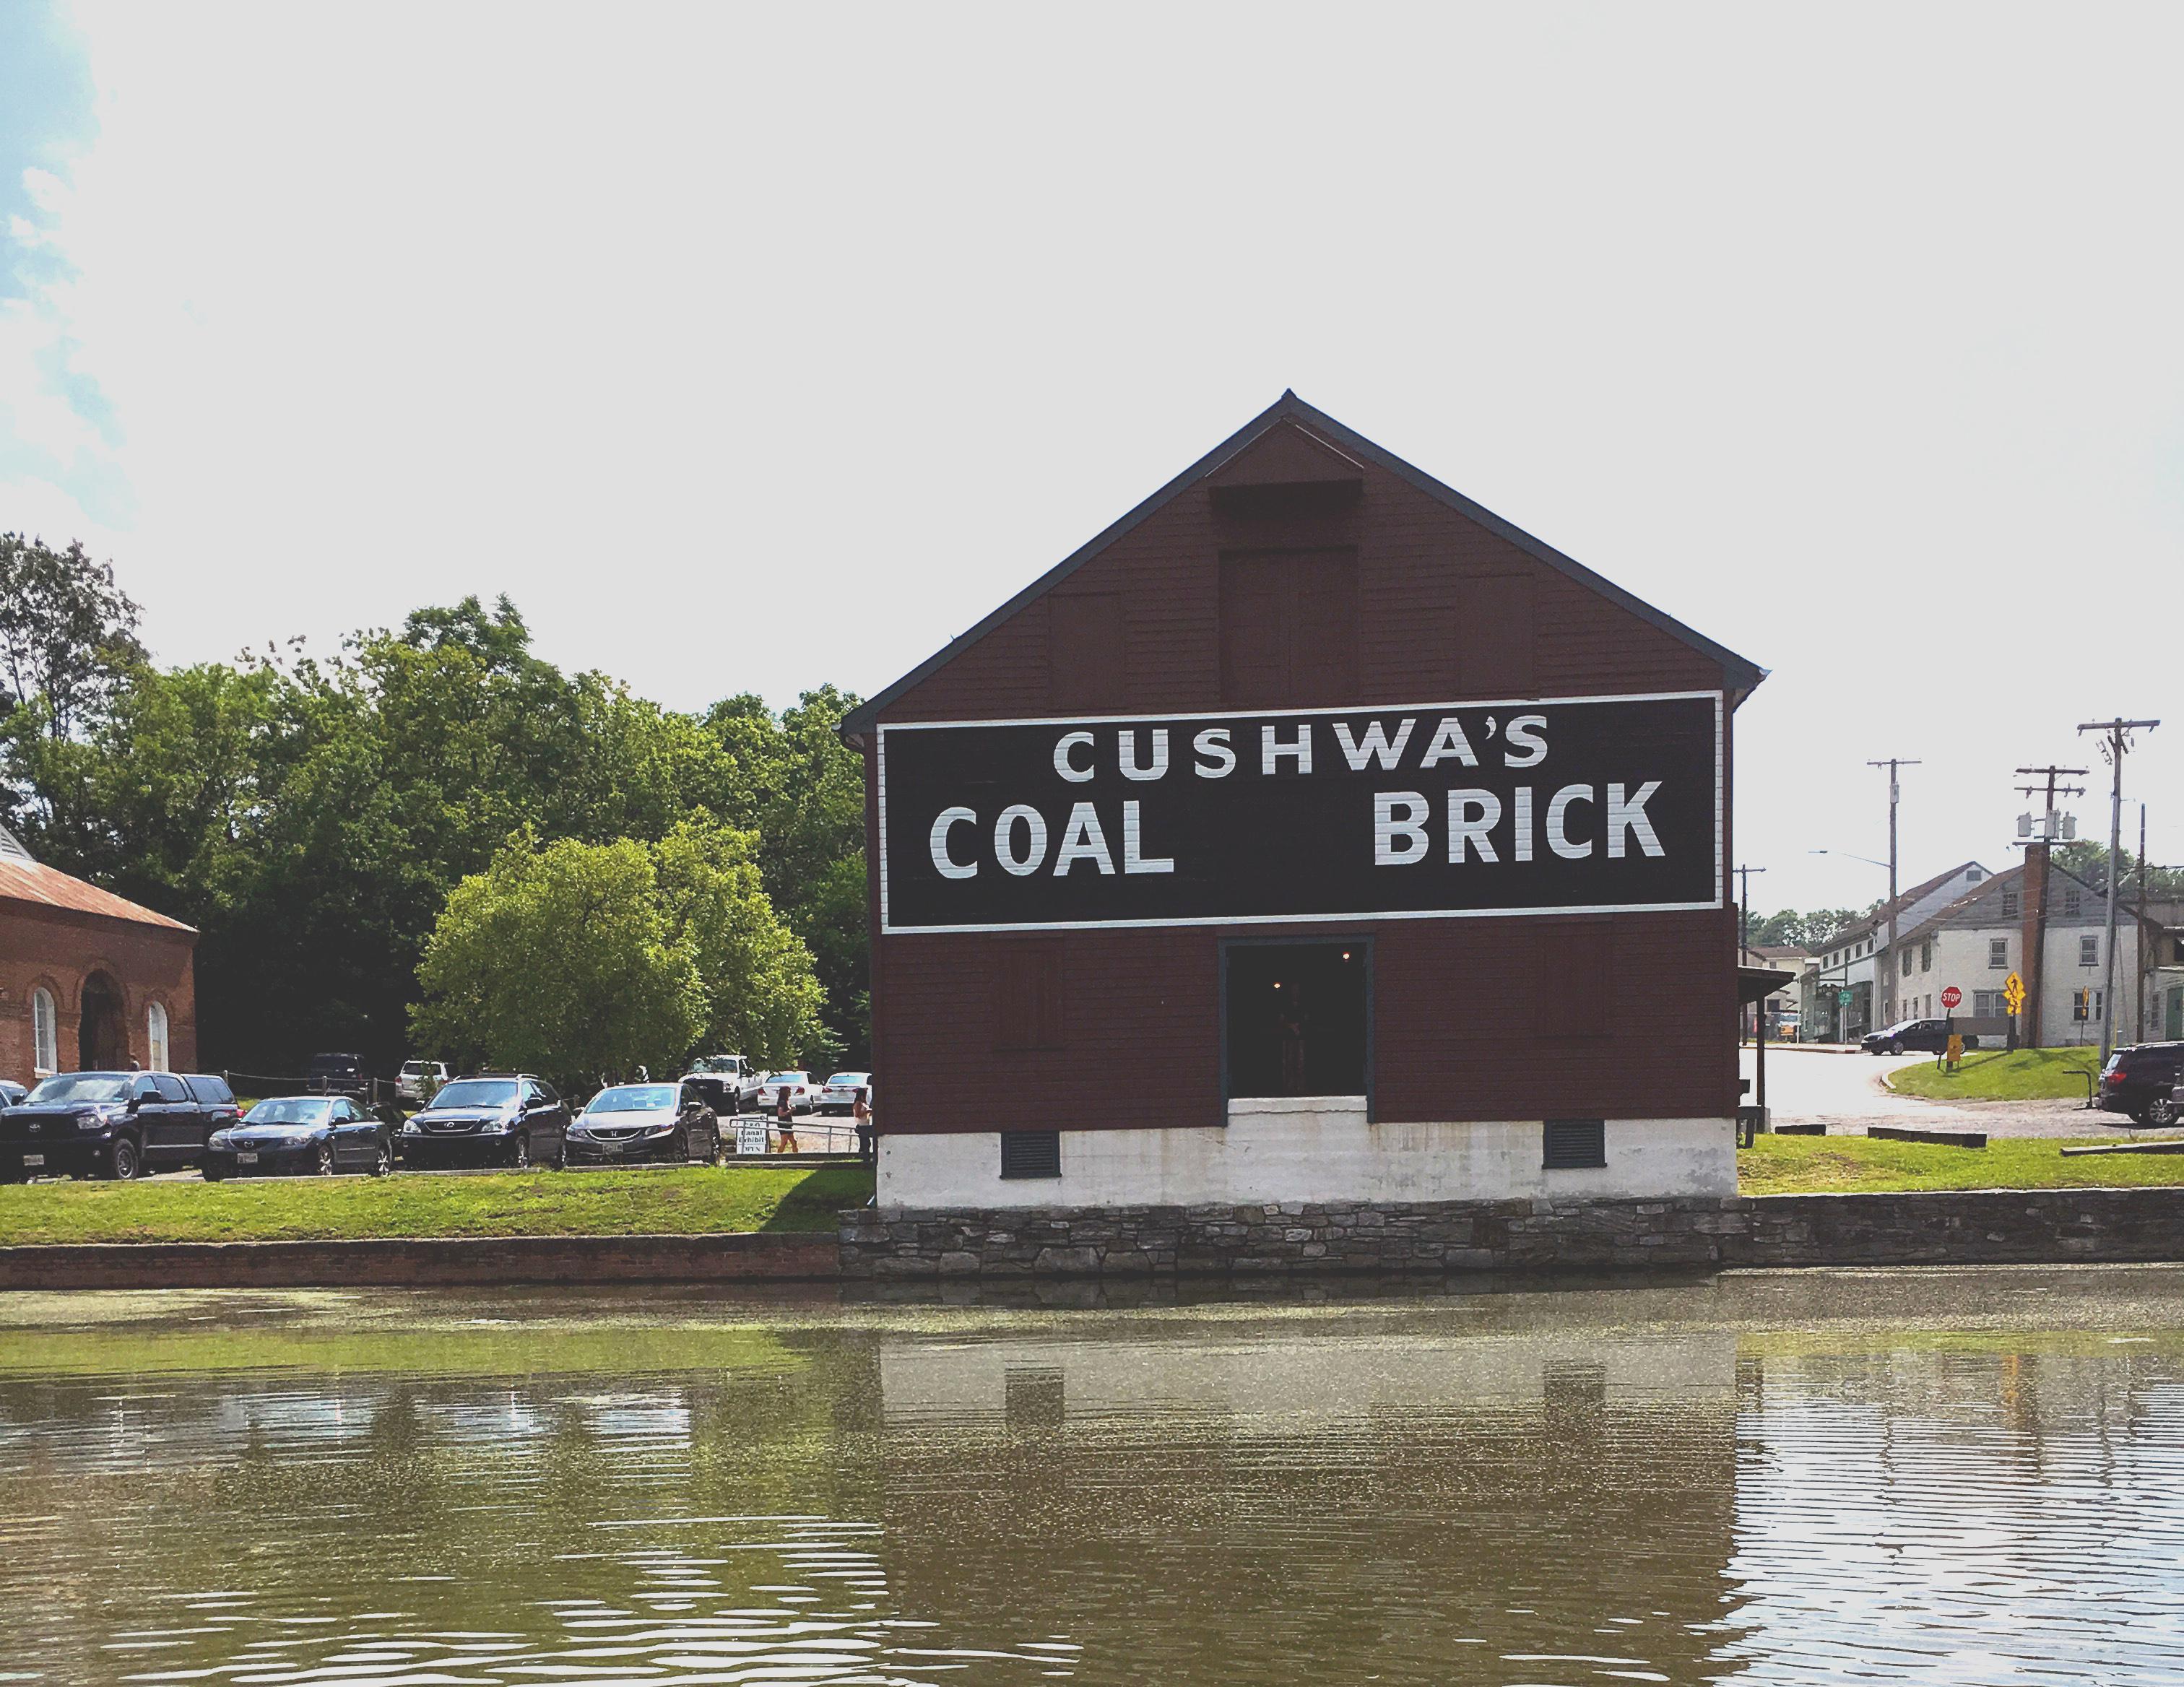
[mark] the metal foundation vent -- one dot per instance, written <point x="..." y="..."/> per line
<point x="1569" y="1144"/>
<point x="1031" y="1154"/>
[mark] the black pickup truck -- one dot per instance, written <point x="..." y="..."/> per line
<point x="113" y="1124"/>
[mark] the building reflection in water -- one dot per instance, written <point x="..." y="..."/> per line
<point x="1523" y="1489"/>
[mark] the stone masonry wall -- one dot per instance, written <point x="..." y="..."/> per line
<point x="1308" y="1237"/>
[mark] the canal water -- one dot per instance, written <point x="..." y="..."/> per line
<point x="1973" y="1477"/>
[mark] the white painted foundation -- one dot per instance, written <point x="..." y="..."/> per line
<point x="1309" y="1149"/>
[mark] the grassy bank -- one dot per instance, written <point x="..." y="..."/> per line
<point x="696" y="1201"/>
<point x="1804" y="1164"/>
<point x="2027" y="1075"/>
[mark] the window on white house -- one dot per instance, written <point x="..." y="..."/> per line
<point x="1997" y="952"/>
<point x="2072" y="903"/>
<point x="2089" y="951"/>
<point x="1926" y="955"/>
<point x="45" y="1033"/>
<point x="155" y="1037"/>
<point x="2009" y="905"/>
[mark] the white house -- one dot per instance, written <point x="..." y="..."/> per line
<point x="1848" y="960"/>
<point x="1977" y="941"/>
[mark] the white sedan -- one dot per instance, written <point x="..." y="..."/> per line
<point x="803" y="1094"/>
<point x="841" y="1094"/>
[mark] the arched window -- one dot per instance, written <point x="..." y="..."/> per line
<point x="155" y="1030"/>
<point x="44" y="1034"/>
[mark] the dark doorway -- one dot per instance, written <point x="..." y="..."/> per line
<point x="1298" y="1014"/>
<point x="102" y="1038"/>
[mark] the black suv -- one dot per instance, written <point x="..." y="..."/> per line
<point x="2142" y="1081"/>
<point x="1929" y="1035"/>
<point x="113" y="1124"/>
<point x="337" y="1075"/>
<point x="497" y="1118"/>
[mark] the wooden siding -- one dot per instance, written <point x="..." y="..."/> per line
<point x="1628" y="1017"/>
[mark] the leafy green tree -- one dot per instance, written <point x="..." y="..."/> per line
<point x="68" y="633"/>
<point x="1806" y="930"/>
<point x="762" y="998"/>
<point x="560" y="959"/>
<point x="2088" y="858"/>
<point x="806" y="793"/>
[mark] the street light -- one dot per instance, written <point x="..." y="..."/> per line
<point x="1868" y="860"/>
<point x="1884" y="973"/>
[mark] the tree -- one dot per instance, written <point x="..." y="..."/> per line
<point x="2089" y="860"/>
<point x="68" y="633"/>
<point x="579" y="960"/>
<point x="1804" y="931"/>
<point x="558" y="959"/>
<point x="806" y="790"/>
<point x="762" y="999"/>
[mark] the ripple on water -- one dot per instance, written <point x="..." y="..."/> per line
<point x="1125" y="1504"/>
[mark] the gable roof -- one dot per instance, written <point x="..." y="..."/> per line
<point x="25" y="878"/>
<point x="2010" y="878"/>
<point x="1739" y="674"/>
<point x="1879" y="917"/>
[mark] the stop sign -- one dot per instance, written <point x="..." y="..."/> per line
<point x="1952" y="996"/>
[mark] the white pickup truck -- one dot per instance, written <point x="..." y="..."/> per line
<point x="726" y="1081"/>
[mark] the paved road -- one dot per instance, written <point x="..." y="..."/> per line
<point x="1844" y="1092"/>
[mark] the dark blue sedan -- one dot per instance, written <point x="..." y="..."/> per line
<point x="315" y="1135"/>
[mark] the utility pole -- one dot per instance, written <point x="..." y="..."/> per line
<point x="2138" y="995"/>
<point x="2115" y="744"/>
<point x="1744" y="919"/>
<point x="2037" y="842"/>
<point x="1888" y="972"/>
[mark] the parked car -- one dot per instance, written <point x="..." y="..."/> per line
<point x="11" y="1094"/>
<point x="337" y="1075"/>
<point x="322" y="1134"/>
<point x="839" y="1094"/>
<point x="112" y="1124"/>
<point x="2142" y="1082"/>
<point x="720" y="1079"/>
<point x="747" y="1087"/>
<point x="1929" y="1035"/>
<point x="493" y="1119"/>
<point x="418" y="1079"/>
<point x="669" y="1122"/>
<point x="803" y="1094"/>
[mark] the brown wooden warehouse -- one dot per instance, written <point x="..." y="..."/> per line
<point x="1311" y="834"/>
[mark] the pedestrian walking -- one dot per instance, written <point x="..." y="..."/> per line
<point x="862" y="1111"/>
<point x="785" y="1119"/>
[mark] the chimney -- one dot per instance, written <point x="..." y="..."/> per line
<point x="2032" y="908"/>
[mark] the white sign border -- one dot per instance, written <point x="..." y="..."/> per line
<point x="1720" y="807"/>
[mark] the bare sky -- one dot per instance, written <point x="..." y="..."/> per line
<point x="748" y="348"/>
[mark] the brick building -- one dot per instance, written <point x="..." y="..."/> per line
<point x="1312" y="834"/>
<point x="88" y="980"/>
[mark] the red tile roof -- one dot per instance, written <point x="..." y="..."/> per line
<point x="24" y="880"/>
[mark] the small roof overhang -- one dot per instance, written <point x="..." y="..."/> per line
<point x="1756" y="983"/>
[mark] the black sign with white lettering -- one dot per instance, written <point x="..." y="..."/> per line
<point x="1442" y="810"/>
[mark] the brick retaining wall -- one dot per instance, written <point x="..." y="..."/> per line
<point x="2040" y="1227"/>
<point x="758" y="1257"/>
